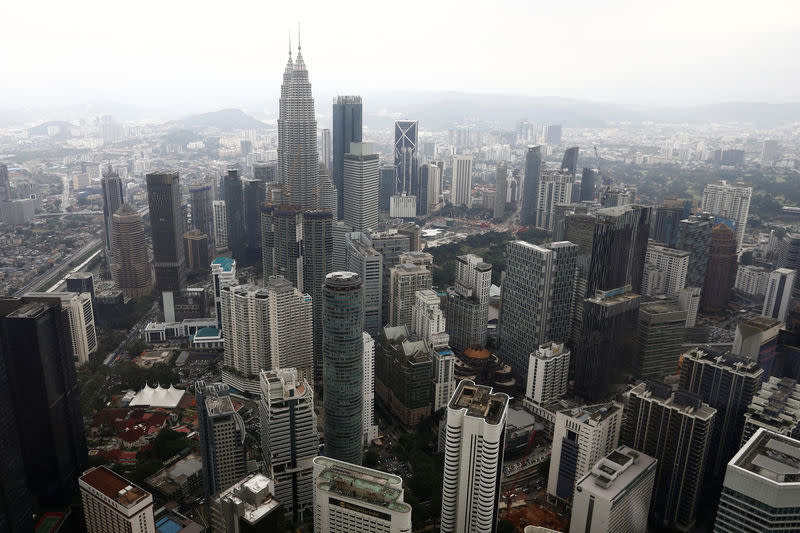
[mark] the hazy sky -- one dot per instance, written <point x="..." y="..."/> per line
<point x="231" y="53"/>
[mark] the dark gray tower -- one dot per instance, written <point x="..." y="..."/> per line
<point x="343" y="366"/>
<point x="317" y="262"/>
<point x="5" y="184"/>
<point x="234" y="213"/>
<point x="166" y="227"/>
<point x="570" y="161"/>
<point x="588" y="185"/>
<point x="347" y="114"/>
<point x="113" y="198"/>
<point x="530" y="185"/>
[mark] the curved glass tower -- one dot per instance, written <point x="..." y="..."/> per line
<point x="342" y="374"/>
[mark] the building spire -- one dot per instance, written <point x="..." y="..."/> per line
<point x="290" y="45"/>
<point x="298" y="38"/>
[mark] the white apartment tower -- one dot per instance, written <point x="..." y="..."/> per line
<point x="427" y="316"/>
<point x="731" y="202"/>
<point x="429" y="326"/>
<point x="615" y="496"/>
<point x="405" y="280"/>
<point x="555" y="187"/>
<point x="473" y="458"/>
<point x="689" y="301"/>
<point x="350" y="498"/>
<point x="223" y="274"/>
<point x="461" y="188"/>
<point x="289" y="438"/>
<point x="761" y="490"/>
<point x="673" y="263"/>
<point x="361" y="171"/>
<point x="364" y="260"/>
<point x="370" y="428"/>
<point x="290" y="327"/>
<point x="112" y="504"/>
<point x="220" y="225"/>
<point x="581" y="437"/>
<point x="779" y="291"/>
<point x="548" y="372"/>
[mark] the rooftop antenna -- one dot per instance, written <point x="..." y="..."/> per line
<point x="290" y="44"/>
<point x="298" y="37"/>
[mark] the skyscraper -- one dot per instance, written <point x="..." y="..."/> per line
<point x="467" y="304"/>
<point x="405" y="156"/>
<point x="530" y="185"/>
<point x="368" y="410"/>
<point x="775" y="407"/>
<point x="500" y="191"/>
<point x="361" y="183"/>
<point x="667" y="219"/>
<point x="615" y="495"/>
<point x="619" y="247"/>
<point x="130" y="268"/>
<point x="326" y="157"/>
<point x="761" y="490"/>
<point x="166" y="226"/>
<point x="536" y="299"/>
<point x="112" y="504"/>
<point x="347" y="114"/>
<point x="113" y="198"/>
<point x="289" y="438"/>
<point x="234" y="213"/>
<point x="721" y="271"/>
<point x="202" y="214"/>
<point x="390" y="244"/>
<point x="548" y="371"/>
<point x="254" y="194"/>
<point x="343" y="366"/>
<point x="223" y="274"/>
<point x="222" y="434"/>
<point x="282" y="242"/>
<point x="570" y="160"/>
<point x="606" y="343"/>
<point x="386" y="187"/>
<point x="779" y="291"/>
<point x="406" y="279"/>
<point x="473" y="458"/>
<point x="555" y="187"/>
<point x="674" y="264"/>
<point x="220" y="225"/>
<point x="290" y="327"/>
<point x="588" y="185"/>
<point x="461" y="184"/>
<point x="694" y="236"/>
<point x="47" y="424"/>
<point x="317" y="262"/>
<point x="731" y="202"/>
<point x="298" y="164"/>
<point x="79" y="320"/>
<point x="727" y="383"/>
<point x="581" y="437"/>
<point x="675" y="428"/>
<point x="5" y="184"/>
<point x="247" y="505"/>
<point x="365" y="261"/>
<point x="266" y="172"/>
<point x="659" y="334"/>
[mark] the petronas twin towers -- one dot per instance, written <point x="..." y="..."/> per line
<point x="307" y="182"/>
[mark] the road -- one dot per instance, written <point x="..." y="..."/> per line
<point x="38" y="280"/>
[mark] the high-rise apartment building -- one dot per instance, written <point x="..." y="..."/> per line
<point x="761" y="487"/>
<point x="461" y="184"/>
<point x="222" y="435"/>
<point x="473" y="458"/>
<point x="775" y="407"/>
<point x="406" y="139"/>
<point x="731" y="202"/>
<point x="530" y="185"/>
<point x="676" y="429"/>
<point x="659" y="335"/>
<point x="689" y="301"/>
<point x="537" y="298"/>
<point x="694" y="236"/>
<point x="223" y="274"/>
<point x="727" y="383"/>
<point x="5" y="183"/>
<point x="282" y="242"/>
<point x="365" y="261"/>
<point x="500" y="190"/>
<point x="220" y="225"/>
<point x="112" y="504"/>
<point x="581" y="437"/>
<point x="166" y="226"/>
<point x="289" y="438"/>
<point x="405" y="280"/>
<point x="369" y="425"/>
<point x="196" y="245"/>
<point x="673" y="263"/>
<point x="202" y="209"/>
<point x="130" y="267"/>
<point x="234" y="213"/>
<point x="249" y="505"/>
<point x="427" y="316"/>
<point x="113" y="198"/>
<point x="555" y="187"/>
<point x="721" y="271"/>
<point x="467" y="304"/>
<point x="80" y="320"/>
<point x="361" y="183"/>
<point x="347" y="119"/>
<point x="548" y="372"/>
<point x="298" y="160"/>
<point x="779" y="292"/>
<point x="349" y="497"/>
<point x="326" y="147"/>
<point x="291" y="342"/>
<point x="606" y="341"/>
<point x="43" y="447"/>
<point x="615" y="495"/>
<point x="430" y="179"/>
<point x="390" y="244"/>
<point x="343" y="365"/>
<point x="317" y="262"/>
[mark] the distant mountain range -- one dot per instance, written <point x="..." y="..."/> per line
<point x="225" y="120"/>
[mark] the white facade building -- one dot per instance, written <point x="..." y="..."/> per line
<point x="434" y="187"/>
<point x="290" y="327"/>
<point x="112" y="504"/>
<point x="361" y="174"/>
<point x="752" y="281"/>
<point x="473" y="458"/>
<point x="581" y="437"/>
<point x="402" y="206"/>
<point x="404" y="282"/>
<point x="673" y="263"/>
<point x="548" y="372"/>
<point x="220" y="225"/>
<point x="246" y="505"/>
<point x="289" y="438"/>
<point x="461" y="185"/>
<point x="778" y="293"/>
<point x="689" y="301"/>
<point x="354" y="499"/>
<point x="555" y="187"/>
<point x="731" y="202"/>
<point x="428" y="319"/>
<point x="223" y="274"/>
<point x="370" y="428"/>
<point x="615" y="496"/>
